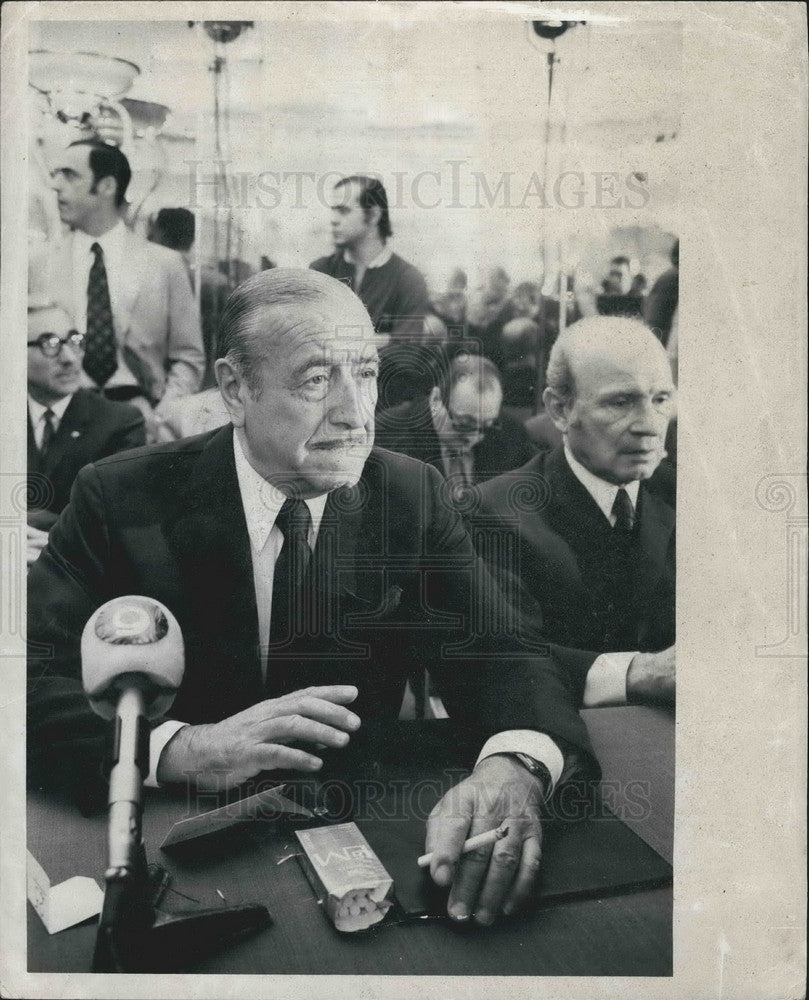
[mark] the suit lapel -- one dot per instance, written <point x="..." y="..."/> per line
<point x="208" y="534"/>
<point x="571" y="509"/>
<point x="133" y="273"/>
<point x="71" y="427"/>
<point x="655" y="528"/>
<point x="34" y="456"/>
<point x="425" y="444"/>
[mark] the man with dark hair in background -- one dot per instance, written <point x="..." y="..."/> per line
<point x="131" y="298"/>
<point x="392" y="290"/>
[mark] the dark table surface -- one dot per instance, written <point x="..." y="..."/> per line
<point x="626" y="934"/>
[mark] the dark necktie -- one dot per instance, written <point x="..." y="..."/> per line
<point x="459" y="466"/>
<point x="622" y="509"/>
<point x="286" y="613"/>
<point x="48" y="431"/>
<point x="100" y="359"/>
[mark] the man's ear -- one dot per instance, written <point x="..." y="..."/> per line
<point x="434" y="398"/>
<point x="373" y="214"/>
<point x="107" y="186"/>
<point x="557" y="409"/>
<point x="232" y="388"/>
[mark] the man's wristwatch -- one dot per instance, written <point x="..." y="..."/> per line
<point x="535" y="767"/>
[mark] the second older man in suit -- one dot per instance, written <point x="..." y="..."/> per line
<point x="68" y="427"/>
<point x="131" y="298"/>
<point x="593" y="558"/>
<point x="307" y="570"/>
<point x="459" y="427"/>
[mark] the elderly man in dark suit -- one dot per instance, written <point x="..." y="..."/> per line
<point x="594" y="546"/>
<point x="307" y="570"/>
<point x="68" y="427"/>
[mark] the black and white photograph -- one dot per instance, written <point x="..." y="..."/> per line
<point x="341" y="567"/>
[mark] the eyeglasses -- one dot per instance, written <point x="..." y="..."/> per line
<point x="51" y="344"/>
<point x="466" y="424"/>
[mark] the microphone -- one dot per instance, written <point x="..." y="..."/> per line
<point x="132" y="663"/>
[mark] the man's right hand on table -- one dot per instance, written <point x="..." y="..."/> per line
<point x="223" y="755"/>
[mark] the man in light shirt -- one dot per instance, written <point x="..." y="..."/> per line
<point x="307" y="571"/>
<point x="594" y="563"/>
<point x="67" y="426"/>
<point x="131" y="298"/>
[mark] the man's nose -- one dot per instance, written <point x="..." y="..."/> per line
<point x="69" y="354"/>
<point x="649" y="420"/>
<point x="353" y="403"/>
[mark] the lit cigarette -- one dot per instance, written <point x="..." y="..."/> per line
<point x="481" y="840"/>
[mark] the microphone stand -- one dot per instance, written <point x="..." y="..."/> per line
<point x="132" y="936"/>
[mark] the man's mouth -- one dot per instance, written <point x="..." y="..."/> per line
<point x="340" y="444"/>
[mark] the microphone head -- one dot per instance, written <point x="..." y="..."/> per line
<point x="132" y="641"/>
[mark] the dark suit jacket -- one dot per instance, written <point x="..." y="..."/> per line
<point x="394" y="572"/>
<point x="408" y="428"/>
<point x="560" y="543"/>
<point x="92" y="428"/>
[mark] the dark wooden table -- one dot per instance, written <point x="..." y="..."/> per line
<point x="628" y="934"/>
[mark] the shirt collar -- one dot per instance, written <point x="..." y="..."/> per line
<point x="380" y="260"/>
<point x="110" y="242"/>
<point x="262" y="501"/>
<point x="600" y="490"/>
<point x="37" y="410"/>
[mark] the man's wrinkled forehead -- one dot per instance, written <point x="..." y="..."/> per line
<point x="333" y="328"/>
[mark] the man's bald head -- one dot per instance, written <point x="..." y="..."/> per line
<point x="599" y="342"/>
<point x="611" y="394"/>
<point x="266" y="307"/>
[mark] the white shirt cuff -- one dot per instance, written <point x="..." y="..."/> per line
<point x="606" y="680"/>
<point x="158" y="738"/>
<point x="536" y="745"/>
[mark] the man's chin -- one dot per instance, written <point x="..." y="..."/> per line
<point x="344" y="474"/>
<point x="643" y="469"/>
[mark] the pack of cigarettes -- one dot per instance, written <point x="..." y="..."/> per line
<point x="348" y="879"/>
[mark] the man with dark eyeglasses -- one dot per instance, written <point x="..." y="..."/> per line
<point x="68" y="427"/>
<point x="459" y="427"/>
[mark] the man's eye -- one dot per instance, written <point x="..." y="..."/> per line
<point x="370" y="373"/>
<point x="317" y="380"/>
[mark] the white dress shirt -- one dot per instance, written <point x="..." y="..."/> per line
<point x="606" y="678"/>
<point x="262" y="503"/>
<point x="120" y="281"/>
<point x="36" y="411"/>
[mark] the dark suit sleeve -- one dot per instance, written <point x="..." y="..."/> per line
<point x="491" y="676"/>
<point x="491" y="539"/>
<point x="65" y="586"/>
<point x="129" y="431"/>
<point x="412" y="305"/>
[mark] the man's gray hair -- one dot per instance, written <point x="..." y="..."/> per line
<point x="593" y="331"/>
<point x="245" y="328"/>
